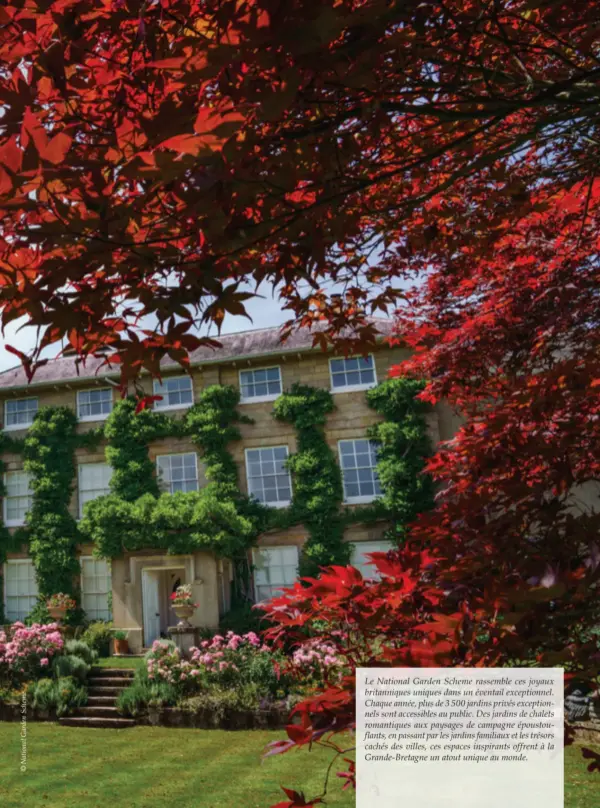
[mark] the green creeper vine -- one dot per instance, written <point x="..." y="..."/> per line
<point x="318" y="491"/>
<point x="49" y="456"/>
<point x="219" y="517"/>
<point x="404" y="445"/>
<point x="128" y="433"/>
<point x="136" y="515"/>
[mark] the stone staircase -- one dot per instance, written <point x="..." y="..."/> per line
<point x="104" y="685"/>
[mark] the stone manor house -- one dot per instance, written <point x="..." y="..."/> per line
<point x="262" y="368"/>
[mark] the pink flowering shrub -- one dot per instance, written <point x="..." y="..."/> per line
<point x="224" y="661"/>
<point x="317" y="662"/>
<point x="27" y="650"/>
<point x="164" y="663"/>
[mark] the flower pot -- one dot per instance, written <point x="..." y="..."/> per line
<point x="57" y="612"/>
<point x="183" y="613"/>
<point x="154" y="714"/>
<point x="120" y="646"/>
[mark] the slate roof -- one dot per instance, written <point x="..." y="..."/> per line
<point x="242" y="345"/>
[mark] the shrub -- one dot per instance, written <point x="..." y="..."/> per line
<point x="98" y="636"/>
<point x="45" y="694"/>
<point x="236" y="660"/>
<point x="219" y="701"/>
<point x="70" y="665"/>
<point x="81" y="649"/>
<point x="143" y="693"/>
<point x="65" y="695"/>
<point x="317" y="662"/>
<point x="71" y="695"/>
<point x="165" y="664"/>
<point x="27" y="651"/>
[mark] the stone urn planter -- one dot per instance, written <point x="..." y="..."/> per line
<point x="57" y="612"/>
<point x="154" y="715"/>
<point x="183" y="613"/>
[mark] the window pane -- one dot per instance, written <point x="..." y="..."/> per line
<point x="260" y="383"/>
<point x="268" y="479"/>
<point x="358" y="460"/>
<point x="352" y="372"/>
<point x="95" y="587"/>
<point x="21" y="589"/>
<point x="20" y="412"/>
<point x="175" y="392"/>
<point x="94" y="403"/>
<point x="18" y="498"/>
<point x="275" y="567"/>
<point x="177" y="472"/>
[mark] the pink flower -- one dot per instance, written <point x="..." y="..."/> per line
<point x="44" y="661"/>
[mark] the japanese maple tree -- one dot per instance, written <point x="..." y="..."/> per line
<point x="157" y="157"/>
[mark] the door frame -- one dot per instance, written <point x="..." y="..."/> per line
<point x="155" y="568"/>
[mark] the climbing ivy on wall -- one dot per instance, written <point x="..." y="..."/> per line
<point x="128" y="433"/>
<point x="403" y="447"/>
<point x="219" y="517"/>
<point x="318" y="491"/>
<point x="136" y="515"/>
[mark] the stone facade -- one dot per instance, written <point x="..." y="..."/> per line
<point x="210" y="577"/>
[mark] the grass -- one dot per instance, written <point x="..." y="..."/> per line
<point x="120" y="662"/>
<point x="155" y="767"/>
<point x="582" y="788"/>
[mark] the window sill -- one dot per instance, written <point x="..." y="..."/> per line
<point x="13" y="523"/>
<point x="355" y="388"/>
<point x="285" y="504"/>
<point x="17" y="427"/>
<point x="168" y="407"/>
<point x="259" y="399"/>
<point x="89" y="418"/>
<point x="359" y="500"/>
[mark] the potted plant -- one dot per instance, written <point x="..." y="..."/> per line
<point x="58" y="605"/>
<point x="121" y="646"/>
<point x="183" y="604"/>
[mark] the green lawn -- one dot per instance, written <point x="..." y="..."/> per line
<point x="159" y="767"/>
<point x="120" y="662"/>
<point x="73" y="767"/>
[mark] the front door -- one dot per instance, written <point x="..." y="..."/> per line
<point x="151" y="606"/>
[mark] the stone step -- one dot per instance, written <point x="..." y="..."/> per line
<point x="113" y="692"/>
<point x="92" y="711"/>
<point x="84" y="721"/>
<point x="107" y="681"/>
<point x="101" y="701"/>
<point x="112" y="673"/>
